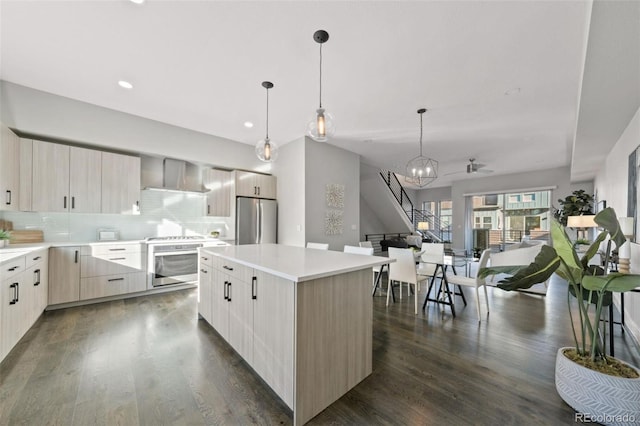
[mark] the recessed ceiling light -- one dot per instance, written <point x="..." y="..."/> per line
<point x="248" y="124"/>
<point x="137" y="1"/>
<point x="125" y="84"/>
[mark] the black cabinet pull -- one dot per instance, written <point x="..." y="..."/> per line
<point x="224" y="292"/>
<point x="75" y="257"/>
<point x="118" y="258"/>
<point x="138" y="205"/>
<point x="228" y="268"/>
<point x="205" y="258"/>
<point x="37" y="277"/>
<point x="115" y="279"/>
<point x="229" y="291"/>
<point x="37" y="258"/>
<point x="13" y="269"/>
<point x="65" y="202"/>
<point x="15" y="299"/>
<point x="117" y="249"/>
<point x="73" y="202"/>
<point x="258" y="190"/>
<point x="208" y="208"/>
<point x="204" y="271"/>
<point x="8" y="198"/>
<point x="254" y="295"/>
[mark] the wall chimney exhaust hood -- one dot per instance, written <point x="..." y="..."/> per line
<point x="168" y="174"/>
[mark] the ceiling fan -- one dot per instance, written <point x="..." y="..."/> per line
<point x="474" y="167"/>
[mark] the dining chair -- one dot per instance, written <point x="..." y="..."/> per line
<point x="432" y="256"/>
<point x="319" y="246"/>
<point x="359" y="250"/>
<point x="365" y="244"/>
<point x="476" y="282"/>
<point x="404" y="270"/>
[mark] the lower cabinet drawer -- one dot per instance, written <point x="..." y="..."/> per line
<point x="123" y="263"/>
<point x="111" y="285"/>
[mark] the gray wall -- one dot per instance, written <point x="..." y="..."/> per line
<point x="54" y="117"/>
<point x="432" y="194"/>
<point x="290" y="170"/>
<point x="328" y="164"/>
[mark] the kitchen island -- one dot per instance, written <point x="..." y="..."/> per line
<point x="301" y="318"/>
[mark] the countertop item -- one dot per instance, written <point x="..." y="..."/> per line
<point x="20" y="236"/>
<point x="295" y="263"/>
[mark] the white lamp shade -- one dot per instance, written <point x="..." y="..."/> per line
<point x="584" y="221"/>
<point x="423" y="226"/>
<point x="626" y="225"/>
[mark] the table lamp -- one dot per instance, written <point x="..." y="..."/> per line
<point x="582" y="223"/>
<point x="624" y="251"/>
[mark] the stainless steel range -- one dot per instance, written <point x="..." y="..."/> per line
<point x="174" y="260"/>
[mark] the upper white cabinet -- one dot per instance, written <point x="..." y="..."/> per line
<point x="9" y="170"/>
<point x="120" y="184"/>
<point x="220" y="186"/>
<point x="65" y="178"/>
<point x="255" y="185"/>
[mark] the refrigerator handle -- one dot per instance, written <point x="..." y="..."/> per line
<point x="259" y="222"/>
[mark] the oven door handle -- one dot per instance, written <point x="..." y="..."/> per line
<point x="173" y="253"/>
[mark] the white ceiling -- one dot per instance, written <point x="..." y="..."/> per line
<point x="200" y="64"/>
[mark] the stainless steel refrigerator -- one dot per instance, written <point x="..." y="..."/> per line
<point x="256" y="220"/>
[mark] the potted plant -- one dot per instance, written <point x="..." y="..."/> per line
<point x="4" y="238"/>
<point x="589" y="381"/>
<point x="576" y="204"/>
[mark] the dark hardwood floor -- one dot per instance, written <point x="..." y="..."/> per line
<point x="150" y="361"/>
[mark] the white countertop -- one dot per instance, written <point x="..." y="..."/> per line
<point x="296" y="263"/>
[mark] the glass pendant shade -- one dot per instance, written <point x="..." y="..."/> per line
<point x="321" y="128"/>
<point x="267" y="150"/>
<point x="421" y="170"/>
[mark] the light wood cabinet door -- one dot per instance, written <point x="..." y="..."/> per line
<point x="205" y="292"/>
<point x="240" y="317"/>
<point x="50" y="177"/>
<point x="64" y="274"/>
<point x="120" y="184"/>
<point x="266" y="186"/>
<point x="13" y="313"/>
<point x="26" y="174"/>
<point x="9" y="170"/>
<point x="255" y="185"/>
<point x="220" y="184"/>
<point x="273" y="329"/>
<point x="219" y="303"/>
<point x="85" y="180"/>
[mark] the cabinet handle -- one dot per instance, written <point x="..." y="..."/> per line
<point x="224" y="292"/>
<point x="37" y="258"/>
<point x="138" y="205"/>
<point x="15" y="299"/>
<point x="204" y="271"/>
<point x="205" y="258"/>
<point x="65" y="202"/>
<point x="118" y="249"/>
<point x="8" y="198"/>
<point x="37" y="277"/>
<point x="229" y="291"/>
<point x="258" y="190"/>
<point x="118" y="258"/>
<point x="75" y="257"/>
<point x="73" y="202"/>
<point x="115" y="279"/>
<point x="254" y="294"/>
<point x="208" y="208"/>
<point x="13" y="269"/>
<point x="228" y="268"/>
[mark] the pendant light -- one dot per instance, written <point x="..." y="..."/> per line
<point x="266" y="150"/>
<point x="321" y="127"/>
<point x="421" y="170"/>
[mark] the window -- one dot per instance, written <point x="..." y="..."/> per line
<point x="527" y="198"/>
<point x="491" y="200"/>
<point x="514" y="198"/>
<point x="486" y="222"/>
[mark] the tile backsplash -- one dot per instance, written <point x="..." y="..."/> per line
<point x="162" y="213"/>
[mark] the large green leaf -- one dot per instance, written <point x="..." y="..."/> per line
<point x="593" y="249"/>
<point x="564" y="248"/>
<point x="545" y="263"/>
<point x="608" y="220"/>
<point x="615" y="282"/>
<point x="592" y="296"/>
